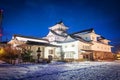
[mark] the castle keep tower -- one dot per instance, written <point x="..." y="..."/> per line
<point x="57" y="32"/>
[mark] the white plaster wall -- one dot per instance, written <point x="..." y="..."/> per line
<point x="81" y="44"/>
<point x="101" y="47"/>
<point x="66" y="47"/>
<point x="105" y="41"/>
<point x="82" y="47"/>
<point x="46" y="51"/>
<point x="58" y="52"/>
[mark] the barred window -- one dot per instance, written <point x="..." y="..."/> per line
<point x="73" y="45"/>
<point x="65" y="46"/>
<point x="50" y="51"/>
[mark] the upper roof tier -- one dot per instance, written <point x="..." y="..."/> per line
<point x="59" y="26"/>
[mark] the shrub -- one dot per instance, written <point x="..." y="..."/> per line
<point x="9" y="53"/>
<point x="26" y="55"/>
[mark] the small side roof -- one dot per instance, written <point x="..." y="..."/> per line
<point x="72" y="38"/>
<point x="80" y="39"/>
<point x="102" y="38"/>
<point x="41" y="43"/>
<point x="58" y="34"/>
<point x="31" y="37"/>
<point x="86" y="30"/>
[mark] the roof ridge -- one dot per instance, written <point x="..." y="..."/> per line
<point x="86" y="30"/>
<point x="29" y="37"/>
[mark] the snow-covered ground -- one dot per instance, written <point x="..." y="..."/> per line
<point x="61" y="71"/>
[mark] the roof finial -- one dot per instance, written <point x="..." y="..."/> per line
<point x="60" y="22"/>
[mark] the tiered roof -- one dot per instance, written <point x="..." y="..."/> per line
<point x="59" y="26"/>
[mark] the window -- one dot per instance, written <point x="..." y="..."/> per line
<point x="93" y="38"/>
<point x="83" y="46"/>
<point x="65" y="46"/>
<point x="86" y="47"/>
<point x="73" y="45"/>
<point x="86" y="37"/>
<point x="50" y="51"/>
<point x="101" y="47"/>
<point x="69" y="54"/>
<point x="97" y="46"/>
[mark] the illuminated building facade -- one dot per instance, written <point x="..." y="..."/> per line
<point x="85" y="44"/>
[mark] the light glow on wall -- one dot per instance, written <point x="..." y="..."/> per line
<point x="2" y="51"/>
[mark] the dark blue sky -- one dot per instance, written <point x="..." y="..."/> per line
<point x="33" y="17"/>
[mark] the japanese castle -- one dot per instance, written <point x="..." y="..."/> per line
<point x="85" y="44"/>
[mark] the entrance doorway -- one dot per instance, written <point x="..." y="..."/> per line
<point x="88" y="56"/>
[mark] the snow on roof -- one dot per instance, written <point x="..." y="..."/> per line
<point x="14" y="41"/>
<point x="69" y="39"/>
<point x="102" y="38"/>
<point x="58" y="34"/>
<point x="85" y="31"/>
<point x="26" y="38"/>
<point x="31" y="37"/>
<point x="40" y="43"/>
<point x="80" y="38"/>
<point x="72" y="38"/>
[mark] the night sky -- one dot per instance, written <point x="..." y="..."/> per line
<point x="34" y="17"/>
